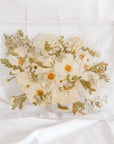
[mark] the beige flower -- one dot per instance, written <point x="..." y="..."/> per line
<point x="64" y="96"/>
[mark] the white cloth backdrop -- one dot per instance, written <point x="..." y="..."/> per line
<point x="21" y="129"/>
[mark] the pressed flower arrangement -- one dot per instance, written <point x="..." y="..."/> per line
<point x="53" y="70"/>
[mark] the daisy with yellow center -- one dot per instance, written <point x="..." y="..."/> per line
<point x="68" y="68"/>
<point x="51" y="76"/>
<point x="40" y="93"/>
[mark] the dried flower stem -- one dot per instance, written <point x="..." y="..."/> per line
<point x="92" y="52"/>
<point x="87" y="85"/>
<point x="100" y="69"/>
<point x="9" y="65"/>
<point x="17" y="40"/>
<point x="61" y="107"/>
<point x="18" y="100"/>
<point x="10" y="79"/>
<point x="77" y="108"/>
<point x="32" y="60"/>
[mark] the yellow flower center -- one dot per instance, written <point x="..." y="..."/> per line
<point x="20" y="62"/>
<point x="68" y="68"/>
<point x="40" y="93"/>
<point x="61" y="81"/>
<point x="86" y="67"/>
<point x="87" y="60"/>
<point x="51" y="76"/>
<point x="81" y="56"/>
<point x="35" y="67"/>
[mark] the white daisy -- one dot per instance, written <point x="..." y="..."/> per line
<point x="67" y="66"/>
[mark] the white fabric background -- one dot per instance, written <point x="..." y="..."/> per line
<point x="20" y="128"/>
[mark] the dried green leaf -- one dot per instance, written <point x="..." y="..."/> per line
<point x="98" y="104"/>
<point x="38" y="99"/>
<point x="61" y="41"/>
<point x="14" y="54"/>
<point x="47" y="46"/>
<point x="27" y="86"/>
<point x="72" y="81"/>
<point x="14" y="106"/>
<point x="17" y="40"/>
<point x="20" y="33"/>
<point x="34" y="76"/>
<point x="34" y="103"/>
<point x="20" y="105"/>
<point x="77" y="108"/>
<point x="10" y="79"/>
<point x="19" y="101"/>
<point x="103" y="76"/>
<point x="99" y="68"/>
<point x="11" y="73"/>
<point x="92" y="52"/>
<point x="31" y="60"/>
<point x="9" y="65"/>
<point x="75" y="78"/>
<point x="19" y="67"/>
<point x="58" y="53"/>
<point x="62" y="107"/>
<point x="87" y="85"/>
<point x="21" y="58"/>
<point x="68" y="76"/>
